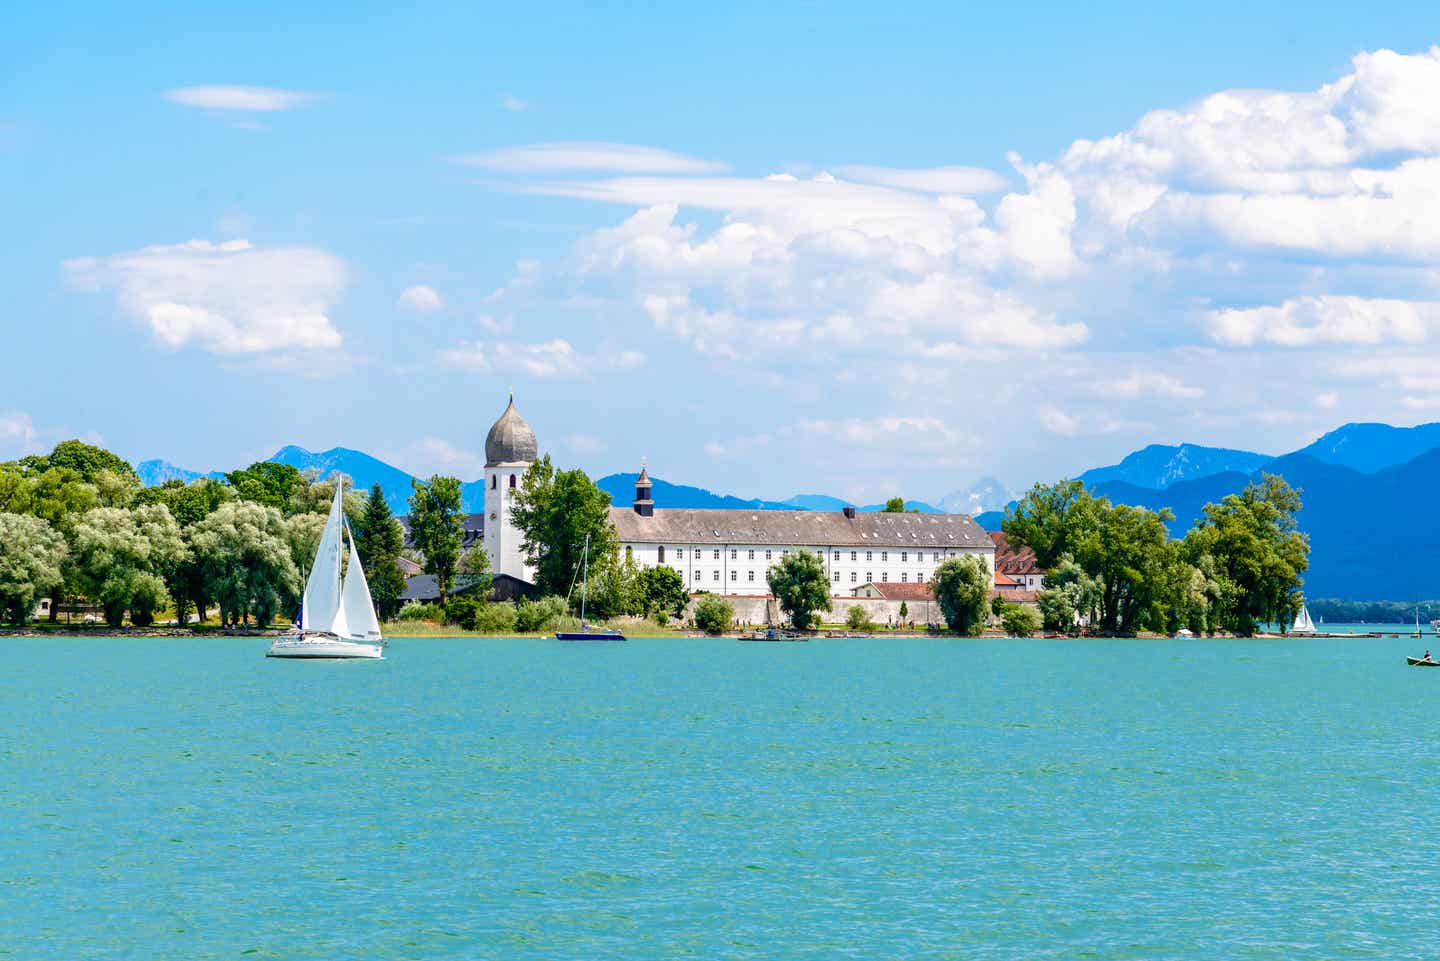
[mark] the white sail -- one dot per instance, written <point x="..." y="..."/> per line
<point x="355" y="605"/>
<point x="322" y="590"/>
<point x="1303" y="624"/>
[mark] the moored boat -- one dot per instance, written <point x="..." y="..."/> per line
<point x="1421" y="662"/>
<point x="586" y="632"/>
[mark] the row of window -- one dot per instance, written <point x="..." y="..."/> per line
<point x="854" y="577"/>
<point x="495" y="479"/>
<point x="750" y="555"/>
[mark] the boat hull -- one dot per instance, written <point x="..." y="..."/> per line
<point x="321" y="647"/>
<point x="1417" y="662"/>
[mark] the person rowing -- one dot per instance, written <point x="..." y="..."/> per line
<point x="1426" y="659"/>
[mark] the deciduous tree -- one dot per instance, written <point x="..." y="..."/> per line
<point x="961" y="586"/>
<point x="554" y="511"/>
<point x="437" y="528"/>
<point x="31" y="555"/>
<point x="801" y="587"/>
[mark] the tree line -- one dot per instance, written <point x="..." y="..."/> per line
<point x="76" y="524"/>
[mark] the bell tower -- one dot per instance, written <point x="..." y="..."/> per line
<point x="510" y="449"/>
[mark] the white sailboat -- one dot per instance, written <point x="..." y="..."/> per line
<point x="1303" y="624"/>
<point x="337" y="617"/>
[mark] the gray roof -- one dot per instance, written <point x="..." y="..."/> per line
<point x="680" y="526"/>
<point x="510" y="441"/>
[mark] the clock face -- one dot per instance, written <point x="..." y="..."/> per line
<point x="492" y="515"/>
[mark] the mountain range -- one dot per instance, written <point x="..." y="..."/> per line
<point x="1365" y="488"/>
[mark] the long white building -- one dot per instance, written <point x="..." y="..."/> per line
<point x="730" y="551"/>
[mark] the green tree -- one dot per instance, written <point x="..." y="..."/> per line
<point x="801" y="587"/>
<point x="1019" y="620"/>
<point x="89" y="461"/>
<point x="1056" y="612"/>
<point x="539" y="616"/>
<point x="122" y="558"/>
<point x="1127" y="550"/>
<point x="187" y="503"/>
<point x="997" y="605"/>
<point x="31" y="555"/>
<point x="246" y="562"/>
<point x="1252" y="549"/>
<point x="266" y="482"/>
<point x="904" y="612"/>
<point x="713" y="615"/>
<point x="662" y="592"/>
<point x="381" y="541"/>
<point x="472" y="574"/>
<point x="1070" y="594"/>
<point x="857" y="618"/>
<point x="1049" y="519"/>
<point x="554" y="511"/>
<point x="437" y="528"/>
<point x="961" y="586"/>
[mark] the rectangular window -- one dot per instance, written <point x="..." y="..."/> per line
<point x="852" y="577"/>
<point x="785" y="553"/>
<point x="733" y="575"/>
<point x="767" y="555"/>
<point x="884" y="577"/>
<point x="869" y="556"/>
<point x="904" y="556"/>
<point x="904" y="578"/>
<point x="717" y="576"/>
<point x="752" y="555"/>
<point x="662" y="553"/>
<point x="837" y="577"/>
<point x="697" y="573"/>
<point x="750" y="575"/>
<point x="869" y="578"/>
<point x="717" y="555"/>
<point x="837" y="555"/>
<point x="733" y="553"/>
<point x="884" y="557"/>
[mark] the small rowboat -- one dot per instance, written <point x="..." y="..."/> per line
<point x="1421" y="662"/>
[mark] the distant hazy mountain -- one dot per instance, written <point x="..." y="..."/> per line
<point x="153" y="473"/>
<point x="1158" y="466"/>
<point x="1372" y="447"/>
<point x="361" y="468"/>
<point x="621" y="488"/>
<point x="986" y="494"/>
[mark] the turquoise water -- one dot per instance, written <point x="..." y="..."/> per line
<point x="882" y="798"/>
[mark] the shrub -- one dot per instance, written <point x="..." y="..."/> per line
<point x="713" y="615"/>
<point x="496" y="618"/>
<point x="462" y="611"/>
<point x="857" y="618"/>
<point x="539" y="616"/>
<point x="420" y="612"/>
<point x="1019" y="620"/>
<point x="961" y="586"/>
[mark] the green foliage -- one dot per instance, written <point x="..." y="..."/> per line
<point x="858" y="619"/>
<point x="472" y="574"/>
<point x="380" y="541"/>
<point x="1019" y="620"/>
<point x="244" y="561"/>
<point x="31" y="555"/>
<point x="662" y="592"/>
<point x="713" y="615"/>
<point x="1049" y="519"/>
<point x="121" y="557"/>
<point x="801" y="587"/>
<point x="474" y="614"/>
<point x="539" y="616"/>
<point x="961" y="586"/>
<point x="421" y="612"/>
<point x="554" y="511"/>
<point x="904" y="611"/>
<point x="896" y="505"/>
<point x="997" y="605"/>
<point x="437" y="527"/>
<point x="1255" y="553"/>
<point x="187" y="503"/>
<point x="614" y="591"/>
<point x="1338" y="611"/>
<point x="266" y="482"/>
<point x="1057" y="613"/>
<point x="89" y="461"/>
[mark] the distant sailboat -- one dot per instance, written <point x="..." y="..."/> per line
<point x="337" y="617"/>
<point x="1303" y="624"/>
<point x="586" y="633"/>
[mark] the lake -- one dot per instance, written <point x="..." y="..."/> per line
<point x="861" y="798"/>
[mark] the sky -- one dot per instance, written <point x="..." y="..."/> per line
<point x="773" y="248"/>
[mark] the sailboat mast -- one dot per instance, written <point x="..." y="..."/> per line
<point x="585" y="585"/>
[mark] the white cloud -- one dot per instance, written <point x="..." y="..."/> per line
<point x="936" y="180"/>
<point x="1308" y="321"/>
<point x="514" y="104"/>
<point x="18" y="435"/>
<point x="420" y="299"/>
<point x="1056" y="421"/>
<point x="584" y="443"/>
<point x="226" y="298"/>
<point x="574" y="156"/>
<point x="246" y="99"/>
<point x="1148" y="382"/>
<point x="552" y="358"/>
<point x="1327" y="399"/>
<point x="428" y="456"/>
<point x="870" y="434"/>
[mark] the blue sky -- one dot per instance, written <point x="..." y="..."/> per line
<point x="771" y="248"/>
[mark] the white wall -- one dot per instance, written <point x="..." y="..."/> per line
<point x="502" y="540"/>
<point x="741" y="569"/>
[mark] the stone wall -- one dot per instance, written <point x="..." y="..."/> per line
<point x="762" y="611"/>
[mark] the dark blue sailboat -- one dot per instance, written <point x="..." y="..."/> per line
<point x="586" y="632"/>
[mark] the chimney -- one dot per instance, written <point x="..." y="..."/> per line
<point x="850" y="513"/>
<point x="644" y="505"/>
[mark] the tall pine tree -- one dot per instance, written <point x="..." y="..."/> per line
<point x="379" y="539"/>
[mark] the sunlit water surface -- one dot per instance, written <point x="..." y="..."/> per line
<point x="663" y="799"/>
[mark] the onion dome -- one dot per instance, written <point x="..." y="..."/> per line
<point x="510" y="441"/>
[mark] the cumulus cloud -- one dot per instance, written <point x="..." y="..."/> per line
<point x="552" y="358"/>
<point x="1307" y="321"/>
<point x="243" y="99"/>
<point x="913" y="434"/>
<point x="420" y="299"/>
<point x="579" y="156"/>
<point x="17" y="433"/>
<point x="225" y="298"/>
